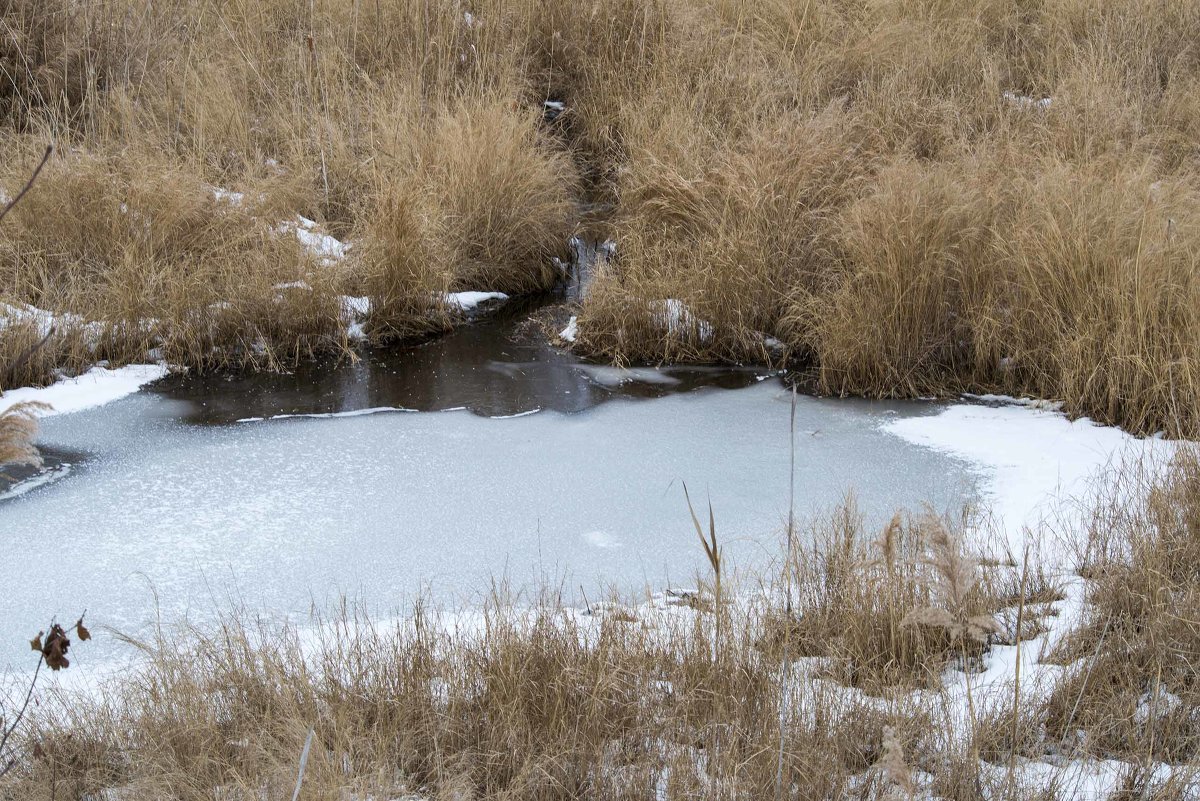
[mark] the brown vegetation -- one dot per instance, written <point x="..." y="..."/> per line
<point x="912" y="197"/>
<point x="1131" y="689"/>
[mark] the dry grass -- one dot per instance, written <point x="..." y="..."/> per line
<point x="1130" y="690"/>
<point x="891" y="610"/>
<point x="871" y="688"/>
<point x="18" y="428"/>
<point x="876" y="186"/>
<point x="537" y="705"/>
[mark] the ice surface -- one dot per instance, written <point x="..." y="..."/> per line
<point x="281" y="514"/>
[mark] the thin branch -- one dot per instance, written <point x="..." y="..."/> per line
<point x="25" y="355"/>
<point x="28" y="184"/>
<point x="17" y="720"/>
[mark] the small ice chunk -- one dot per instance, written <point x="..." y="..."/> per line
<point x="1025" y="102"/>
<point x="616" y="376"/>
<point x="679" y="320"/>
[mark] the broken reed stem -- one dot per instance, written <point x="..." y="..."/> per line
<point x="37" y="171"/>
<point x="1012" y="757"/>
<point x="791" y="529"/>
<point x="303" y="763"/>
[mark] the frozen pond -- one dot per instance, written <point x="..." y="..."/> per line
<point x="171" y="502"/>
<point x="282" y="513"/>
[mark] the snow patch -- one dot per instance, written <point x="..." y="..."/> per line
<point x="1031" y="459"/>
<point x="569" y="333"/>
<point x="326" y="249"/>
<point x="1027" y="103"/>
<point x="469" y="301"/>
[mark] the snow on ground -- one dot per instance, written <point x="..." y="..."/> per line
<point x="46" y="321"/>
<point x="1032" y="460"/>
<point x="354" y="313"/>
<point x="94" y="388"/>
<point x="1027" y="103"/>
<point x="325" y="248"/>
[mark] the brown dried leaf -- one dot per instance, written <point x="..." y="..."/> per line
<point x="55" y="649"/>
<point x="36" y="642"/>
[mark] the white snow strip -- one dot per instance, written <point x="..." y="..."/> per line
<point x="94" y="388"/>
<point x="569" y="333"/>
<point x="467" y="301"/>
<point x="512" y="416"/>
<point x="327" y="415"/>
<point x="44" y="320"/>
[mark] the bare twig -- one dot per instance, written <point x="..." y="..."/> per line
<point x="29" y="183"/>
<point x="26" y="354"/>
<point x="7" y="732"/>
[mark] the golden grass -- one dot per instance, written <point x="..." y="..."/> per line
<point x="18" y="427"/>
<point x="878" y="186"/>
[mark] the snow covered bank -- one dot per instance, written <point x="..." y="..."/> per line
<point x="1032" y="459"/>
<point x="96" y="387"/>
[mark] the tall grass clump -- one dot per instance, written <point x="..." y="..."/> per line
<point x="892" y="610"/>
<point x="18" y="427"/>
<point x="123" y="254"/>
<point x="476" y="200"/>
